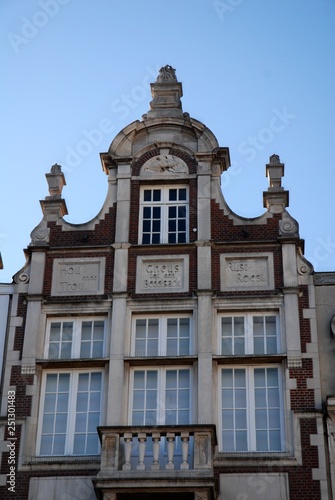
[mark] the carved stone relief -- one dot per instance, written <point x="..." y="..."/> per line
<point x="164" y="164"/>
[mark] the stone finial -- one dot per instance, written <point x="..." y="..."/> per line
<point x="275" y="198"/>
<point x="166" y="74"/>
<point x="275" y="172"/>
<point x="53" y="207"/>
<point x="166" y="95"/>
<point x="56" y="169"/>
<point x="56" y="181"/>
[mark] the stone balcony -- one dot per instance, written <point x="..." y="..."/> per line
<point x="138" y="462"/>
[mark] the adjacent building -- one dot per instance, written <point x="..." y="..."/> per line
<point x="168" y="346"/>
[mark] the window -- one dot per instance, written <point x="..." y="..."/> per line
<point x="249" y="334"/>
<point x="161" y="396"/>
<point x="251" y="409"/>
<point x="70" y="413"/>
<point x="75" y="338"/>
<point x="164" y="215"/>
<point x="162" y="336"/>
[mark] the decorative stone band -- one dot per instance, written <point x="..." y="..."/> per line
<point x="294" y="362"/>
<point x="28" y="369"/>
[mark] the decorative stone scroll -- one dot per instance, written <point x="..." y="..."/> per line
<point x="246" y="271"/>
<point x="84" y="276"/>
<point x="162" y="274"/>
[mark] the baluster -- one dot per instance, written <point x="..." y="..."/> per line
<point x="155" y="450"/>
<point x="128" y="438"/>
<point x="142" y="438"/>
<point x="185" y="441"/>
<point x="170" y="436"/>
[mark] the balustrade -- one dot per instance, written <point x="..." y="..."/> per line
<point x="178" y="448"/>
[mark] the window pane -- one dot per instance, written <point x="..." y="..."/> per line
<point x="59" y="444"/>
<point x="181" y="225"/>
<point x="227" y="398"/>
<point x="226" y="346"/>
<point x="48" y="424"/>
<point x="147" y="195"/>
<point x="172" y="212"/>
<point x="261" y="441"/>
<point x="259" y="345"/>
<point x="241" y="419"/>
<point x="227" y="378"/>
<point x="275" y="440"/>
<point x="240" y="398"/>
<point x="156" y="212"/>
<point x="259" y="377"/>
<point x="92" y="444"/>
<point x="260" y="398"/>
<point x="51" y="383"/>
<point x="86" y="330"/>
<point x="272" y="377"/>
<point x="228" y="419"/>
<point x="182" y="194"/>
<point x="261" y="419"/>
<point x="82" y="401"/>
<point x="146" y="212"/>
<point x="228" y="441"/>
<point x="138" y="400"/>
<point x="97" y="351"/>
<point x="55" y="329"/>
<point x="172" y="194"/>
<point x="156" y="195"/>
<point x="85" y="350"/>
<point x="79" y="444"/>
<point x="241" y="441"/>
<point x="172" y="225"/>
<point x="80" y="422"/>
<point x="140" y="328"/>
<point x="46" y="445"/>
<point x="171" y="379"/>
<point x="50" y="402"/>
<point x="98" y="332"/>
<point x="239" y="378"/>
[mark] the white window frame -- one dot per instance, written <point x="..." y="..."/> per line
<point x="251" y="407"/>
<point x="76" y="336"/>
<point x="164" y="203"/>
<point x="71" y="410"/>
<point x="161" y="392"/>
<point x="162" y="349"/>
<point x="249" y="332"/>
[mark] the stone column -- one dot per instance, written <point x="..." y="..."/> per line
<point x="119" y="306"/>
<point x="204" y="263"/>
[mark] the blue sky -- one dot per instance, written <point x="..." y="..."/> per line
<point x="260" y="74"/>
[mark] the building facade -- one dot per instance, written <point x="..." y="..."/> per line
<point x="168" y="346"/>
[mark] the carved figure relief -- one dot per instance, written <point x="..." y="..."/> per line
<point x="164" y="164"/>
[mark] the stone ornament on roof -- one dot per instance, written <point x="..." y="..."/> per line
<point x="166" y="74"/>
<point x="56" y="169"/>
<point x="274" y="160"/>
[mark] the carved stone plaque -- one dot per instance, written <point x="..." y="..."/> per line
<point x="78" y="276"/>
<point x="241" y="271"/>
<point x="162" y="274"/>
